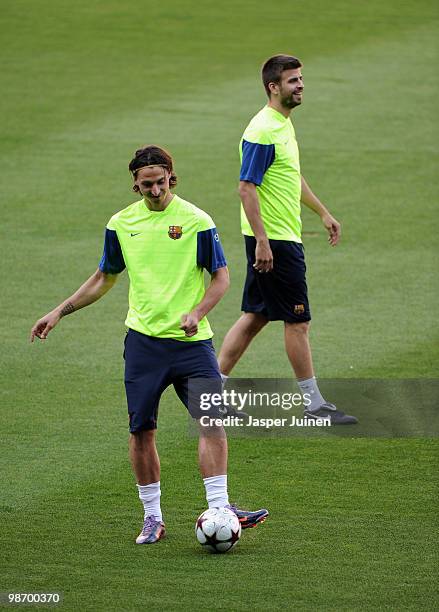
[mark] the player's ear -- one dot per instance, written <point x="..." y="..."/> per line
<point x="136" y="188"/>
<point x="274" y="88"/>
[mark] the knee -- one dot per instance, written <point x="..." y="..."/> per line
<point x="254" y="322"/>
<point x="141" y="440"/>
<point x="301" y="329"/>
<point x="209" y="431"/>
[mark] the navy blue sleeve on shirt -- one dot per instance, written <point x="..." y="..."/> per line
<point x="210" y="254"/>
<point x="256" y="159"/>
<point x="112" y="261"/>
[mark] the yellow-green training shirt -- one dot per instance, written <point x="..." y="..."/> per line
<point x="164" y="253"/>
<point x="270" y="159"/>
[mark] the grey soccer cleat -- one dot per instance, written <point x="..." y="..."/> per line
<point x="327" y="410"/>
<point x="230" y="411"/>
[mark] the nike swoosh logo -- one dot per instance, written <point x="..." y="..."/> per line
<point x="136" y="234"/>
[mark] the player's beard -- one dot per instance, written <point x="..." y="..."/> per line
<point x="290" y="102"/>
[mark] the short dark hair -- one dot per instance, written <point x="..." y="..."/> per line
<point x="152" y="155"/>
<point x="273" y="68"/>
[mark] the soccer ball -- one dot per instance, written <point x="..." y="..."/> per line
<point x="218" y="529"/>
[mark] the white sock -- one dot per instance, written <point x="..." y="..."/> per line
<point x="216" y="491"/>
<point x="149" y="495"/>
<point x="224" y="379"/>
<point x="310" y="387"/>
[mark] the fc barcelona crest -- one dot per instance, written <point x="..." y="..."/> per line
<point x="175" y="231"/>
<point x="299" y="309"/>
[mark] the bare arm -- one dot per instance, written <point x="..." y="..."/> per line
<point x="94" y="288"/>
<point x="250" y="202"/>
<point x="312" y="201"/>
<point x="219" y="283"/>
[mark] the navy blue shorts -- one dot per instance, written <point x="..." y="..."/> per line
<point x="152" y="364"/>
<point x="282" y="294"/>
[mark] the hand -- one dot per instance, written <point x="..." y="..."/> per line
<point x="263" y="256"/>
<point x="333" y="227"/>
<point x="44" y="326"/>
<point x="189" y="322"/>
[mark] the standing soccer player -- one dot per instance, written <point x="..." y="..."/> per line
<point x="164" y="243"/>
<point x="272" y="189"/>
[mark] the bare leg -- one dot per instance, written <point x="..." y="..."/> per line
<point x="144" y="457"/>
<point x="212" y="451"/>
<point x="238" y="338"/>
<point x="299" y="350"/>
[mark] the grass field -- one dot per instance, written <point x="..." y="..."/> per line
<point x="353" y="521"/>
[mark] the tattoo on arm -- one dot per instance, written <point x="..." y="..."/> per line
<point x="67" y="309"/>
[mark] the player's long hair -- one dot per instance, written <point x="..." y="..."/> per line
<point x="152" y="155"/>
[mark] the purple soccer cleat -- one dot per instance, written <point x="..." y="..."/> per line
<point x="249" y="519"/>
<point x="153" y="531"/>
